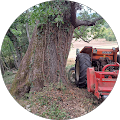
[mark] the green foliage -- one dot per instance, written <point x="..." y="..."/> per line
<point x="54" y="112"/>
<point x="100" y="30"/>
<point x="109" y="35"/>
<point x="51" y="11"/>
<point x="20" y="20"/>
<point x="5" y="49"/>
<point x="88" y="33"/>
<point x="6" y="55"/>
<point x="18" y="28"/>
<point x="69" y="66"/>
<point x="8" y="77"/>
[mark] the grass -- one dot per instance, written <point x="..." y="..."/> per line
<point x="8" y="77"/>
<point x="54" y="112"/>
<point x="68" y="67"/>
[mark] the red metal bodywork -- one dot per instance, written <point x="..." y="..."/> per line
<point x="97" y="82"/>
<point x="100" y="85"/>
<point x="110" y="53"/>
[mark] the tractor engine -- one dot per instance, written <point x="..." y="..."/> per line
<point x="100" y="63"/>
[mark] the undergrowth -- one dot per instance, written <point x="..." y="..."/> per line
<point x="44" y="105"/>
<point x="8" y="77"/>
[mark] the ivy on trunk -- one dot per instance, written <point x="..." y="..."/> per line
<point x="48" y="50"/>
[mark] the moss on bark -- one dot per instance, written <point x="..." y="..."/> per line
<point x="46" y="55"/>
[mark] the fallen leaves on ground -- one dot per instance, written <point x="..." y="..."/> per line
<point x="75" y="102"/>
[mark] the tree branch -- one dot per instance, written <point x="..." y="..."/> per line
<point x="73" y="13"/>
<point x="75" y="22"/>
<point x="82" y="38"/>
<point x="86" y="23"/>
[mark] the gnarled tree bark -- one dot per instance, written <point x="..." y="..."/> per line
<point x="45" y="59"/>
<point x="47" y="54"/>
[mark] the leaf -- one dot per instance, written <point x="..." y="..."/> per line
<point x="56" y="19"/>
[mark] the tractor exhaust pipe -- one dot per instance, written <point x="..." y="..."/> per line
<point x="104" y="97"/>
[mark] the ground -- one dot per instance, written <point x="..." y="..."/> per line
<point x="56" y="102"/>
<point x="59" y="101"/>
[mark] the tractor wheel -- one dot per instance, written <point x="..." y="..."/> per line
<point x="71" y="75"/>
<point x="118" y="59"/>
<point x="83" y="61"/>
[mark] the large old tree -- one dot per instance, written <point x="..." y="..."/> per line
<point x="48" y="50"/>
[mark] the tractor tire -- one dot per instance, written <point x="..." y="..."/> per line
<point x="71" y="75"/>
<point x="83" y="61"/>
<point x="118" y="59"/>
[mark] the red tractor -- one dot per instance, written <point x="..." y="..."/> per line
<point x="96" y="69"/>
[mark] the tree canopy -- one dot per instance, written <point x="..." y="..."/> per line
<point x="91" y="27"/>
<point x="53" y="12"/>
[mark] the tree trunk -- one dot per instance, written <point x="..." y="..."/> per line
<point x="27" y="31"/>
<point x="4" y="62"/>
<point x="45" y="59"/>
<point x="47" y="53"/>
<point x="15" y="42"/>
<point x="27" y="27"/>
<point x="2" y="66"/>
